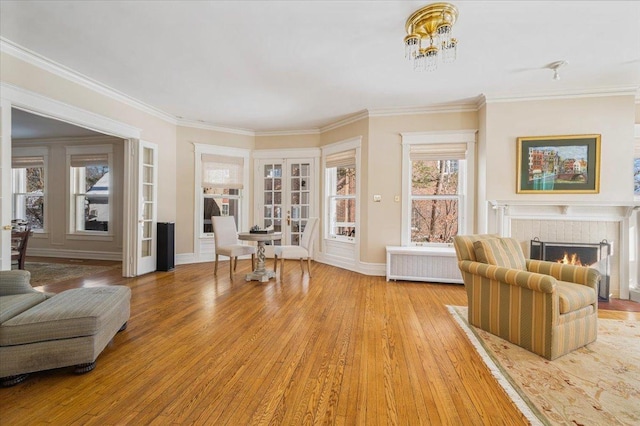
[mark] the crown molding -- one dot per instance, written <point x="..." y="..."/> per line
<point x="315" y="131"/>
<point x="433" y="109"/>
<point x="569" y="94"/>
<point x="33" y="58"/>
<point x="345" y="121"/>
<point x="196" y="124"/>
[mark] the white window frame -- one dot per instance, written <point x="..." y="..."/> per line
<point x="330" y="188"/>
<point x="636" y="153"/>
<point x="72" y="182"/>
<point x="19" y="181"/>
<point x="199" y="195"/>
<point x="332" y="198"/>
<point x="466" y="179"/>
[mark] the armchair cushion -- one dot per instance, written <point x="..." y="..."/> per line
<point x="505" y="252"/>
<point x="573" y="297"/>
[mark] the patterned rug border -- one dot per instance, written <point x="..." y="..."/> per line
<point x="501" y="377"/>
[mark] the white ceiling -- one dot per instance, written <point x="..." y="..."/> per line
<point x="301" y="65"/>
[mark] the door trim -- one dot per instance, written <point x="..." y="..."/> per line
<point x="35" y="103"/>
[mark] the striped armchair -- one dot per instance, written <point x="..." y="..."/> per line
<point x="547" y="308"/>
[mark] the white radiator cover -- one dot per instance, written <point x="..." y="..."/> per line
<point x="432" y="264"/>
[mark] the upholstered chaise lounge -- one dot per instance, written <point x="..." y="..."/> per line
<point x="40" y="331"/>
<point x="545" y="307"/>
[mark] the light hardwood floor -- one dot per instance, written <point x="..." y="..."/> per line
<point x="339" y="348"/>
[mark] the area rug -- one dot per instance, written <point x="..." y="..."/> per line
<point x="50" y="273"/>
<point x="598" y="384"/>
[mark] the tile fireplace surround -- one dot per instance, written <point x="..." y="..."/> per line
<point x="572" y="223"/>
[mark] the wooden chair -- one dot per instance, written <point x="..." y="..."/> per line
<point x="225" y="236"/>
<point x="303" y="251"/>
<point x="19" y="242"/>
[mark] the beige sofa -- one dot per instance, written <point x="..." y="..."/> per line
<point x="40" y="331"/>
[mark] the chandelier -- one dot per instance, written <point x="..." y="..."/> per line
<point x="429" y="36"/>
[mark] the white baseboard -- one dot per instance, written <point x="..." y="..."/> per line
<point x="186" y="258"/>
<point x="634" y="294"/>
<point x="373" y="269"/>
<point x="75" y="254"/>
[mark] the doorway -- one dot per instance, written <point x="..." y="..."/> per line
<point x="18" y="99"/>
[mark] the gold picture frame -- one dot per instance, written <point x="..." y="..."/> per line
<point x="558" y="164"/>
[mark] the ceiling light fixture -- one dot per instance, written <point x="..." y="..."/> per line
<point x="555" y="66"/>
<point x="429" y="36"/>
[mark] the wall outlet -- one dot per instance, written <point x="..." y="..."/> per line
<point x="377" y="198"/>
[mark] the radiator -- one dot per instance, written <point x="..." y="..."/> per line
<point x="432" y="264"/>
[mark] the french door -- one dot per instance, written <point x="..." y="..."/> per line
<point x="148" y="207"/>
<point x="5" y="186"/>
<point x="285" y="196"/>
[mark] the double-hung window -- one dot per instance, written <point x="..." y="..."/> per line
<point x="340" y="169"/>
<point x="90" y="180"/>
<point x="222" y="184"/>
<point x="29" y="189"/>
<point x="435" y="187"/>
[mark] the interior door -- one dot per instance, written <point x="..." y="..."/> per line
<point x="148" y="207"/>
<point x="5" y="186"/>
<point x="285" y="189"/>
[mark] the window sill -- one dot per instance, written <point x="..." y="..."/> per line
<point x="443" y="249"/>
<point x="351" y="240"/>
<point x="90" y="236"/>
<point x="432" y="245"/>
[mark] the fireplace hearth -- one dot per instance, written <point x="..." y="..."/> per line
<point x="594" y="255"/>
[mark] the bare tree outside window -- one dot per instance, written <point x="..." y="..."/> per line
<point x="435" y="201"/>
<point x="342" y="203"/>
<point x="28" y="202"/>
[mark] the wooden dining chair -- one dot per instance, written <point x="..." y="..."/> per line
<point x="19" y="242"/>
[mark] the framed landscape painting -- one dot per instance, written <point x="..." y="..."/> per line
<point x="558" y="164"/>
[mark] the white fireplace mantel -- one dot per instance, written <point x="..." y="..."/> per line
<point x="509" y="215"/>
<point x="562" y="211"/>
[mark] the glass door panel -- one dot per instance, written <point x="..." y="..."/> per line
<point x="272" y="197"/>
<point x="299" y="199"/>
<point x="285" y="202"/>
<point x="147" y="220"/>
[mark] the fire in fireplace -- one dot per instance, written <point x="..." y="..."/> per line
<point x="594" y="255"/>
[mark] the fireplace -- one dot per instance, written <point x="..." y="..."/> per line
<point x="594" y="255"/>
